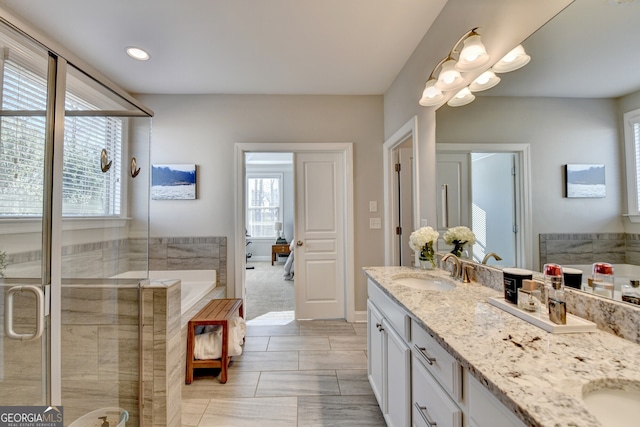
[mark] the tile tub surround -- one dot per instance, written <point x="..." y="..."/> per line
<point x="537" y="375"/>
<point x="161" y="373"/>
<point x="111" y="257"/>
<point x="587" y="248"/>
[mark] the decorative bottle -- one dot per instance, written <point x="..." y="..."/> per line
<point x="554" y="286"/>
<point x="631" y="292"/>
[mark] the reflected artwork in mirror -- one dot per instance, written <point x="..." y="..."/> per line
<point x="565" y="108"/>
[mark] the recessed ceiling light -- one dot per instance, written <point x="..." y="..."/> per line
<point x="137" y="53"/>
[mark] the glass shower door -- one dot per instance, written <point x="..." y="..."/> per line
<point x="23" y="199"/>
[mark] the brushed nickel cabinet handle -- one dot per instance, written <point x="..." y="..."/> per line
<point x="423" y="352"/>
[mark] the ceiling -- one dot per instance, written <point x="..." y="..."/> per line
<point x="589" y="50"/>
<point x="354" y="47"/>
<point x="239" y="46"/>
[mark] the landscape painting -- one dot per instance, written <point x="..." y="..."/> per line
<point x="173" y="182"/>
<point x="585" y="181"/>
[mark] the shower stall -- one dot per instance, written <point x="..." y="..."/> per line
<point x="74" y="202"/>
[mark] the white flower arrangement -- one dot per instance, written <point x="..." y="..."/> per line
<point x="418" y="239"/>
<point x="460" y="235"/>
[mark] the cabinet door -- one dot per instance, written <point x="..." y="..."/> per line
<point x="376" y="353"/>
<point x="398" y="390"/>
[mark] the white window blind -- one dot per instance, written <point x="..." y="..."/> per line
<point x="264" y="204"/>
<point x="86" y="190"/>
<point x="635" y="126"/>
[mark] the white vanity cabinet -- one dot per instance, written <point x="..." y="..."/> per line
<point x="416" y="381"/>
<point x="389" y="361"/>
<point x="436" y="379"/>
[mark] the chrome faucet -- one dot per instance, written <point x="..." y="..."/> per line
<point x="489" y="255"/>
<point x="455" y="272"/>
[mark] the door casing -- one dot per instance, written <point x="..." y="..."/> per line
<point x="346" y="148"/>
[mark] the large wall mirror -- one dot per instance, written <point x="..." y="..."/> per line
<point x="565" y="107"/>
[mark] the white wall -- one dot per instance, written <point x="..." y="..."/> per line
<point x="503" y="25"/>
<point x="560" y="131"/>
<point x="203" y="129"/>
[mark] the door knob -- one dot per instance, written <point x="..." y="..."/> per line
<point x="299" y="243"/>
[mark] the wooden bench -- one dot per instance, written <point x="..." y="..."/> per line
<point x="216" y="312"/>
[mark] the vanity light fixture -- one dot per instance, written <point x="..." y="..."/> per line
<point x="463" y="97"/>
<point x="431" y="95"/>
<point x="484" y="81"/>
<point x="513" y="60"/>
<point x="137" y="53"/>
<point x="472" y="57"/>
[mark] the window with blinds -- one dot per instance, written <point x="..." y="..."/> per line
<point x="264" y="204"/>
<point x="632" y="159"/>
<point x="87" y="191"/>
<point x="635" y="126"/>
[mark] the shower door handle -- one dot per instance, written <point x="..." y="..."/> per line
<point x="8" y="313"/>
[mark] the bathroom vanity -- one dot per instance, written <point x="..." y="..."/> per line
<point x="440" y="354"/>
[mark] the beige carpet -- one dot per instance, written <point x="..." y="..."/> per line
<point x="268" y="295"/>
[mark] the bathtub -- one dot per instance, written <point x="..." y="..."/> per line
<point x="622" y="273"/>
<point x="195" y="284"/>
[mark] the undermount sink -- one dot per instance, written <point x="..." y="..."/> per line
<point x="616" y="407"/>
<point x="425" y="283"/>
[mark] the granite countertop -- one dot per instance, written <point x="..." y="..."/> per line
<point x="538" y="375"/>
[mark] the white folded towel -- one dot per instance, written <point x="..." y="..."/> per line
<point x="208" y="345"/>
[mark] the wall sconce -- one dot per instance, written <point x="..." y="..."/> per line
<point x="472" y="57"/>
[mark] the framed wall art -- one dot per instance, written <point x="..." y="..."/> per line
<point x="173" y="182"/>
<point x="584" y="181"/>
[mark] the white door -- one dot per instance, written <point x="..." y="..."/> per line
<point x="319" y="235"/>
<point x="494" y="204"/>
<point x="454" y="193"/>
<point x="404" y="205"/>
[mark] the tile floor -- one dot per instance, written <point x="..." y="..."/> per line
<point x="296" y="373"/>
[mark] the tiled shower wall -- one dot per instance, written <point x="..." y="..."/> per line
<point x="108" y="258"/>
<point x="587" y="248"/>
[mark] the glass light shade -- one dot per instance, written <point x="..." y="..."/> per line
<point x="449" y="78"/>
<point x="431" y="95"/>
<point x="484" y="81"/>
<point x="461" y="98"/>
<point x="513" y="60"/>
<point x="473" y="55"/>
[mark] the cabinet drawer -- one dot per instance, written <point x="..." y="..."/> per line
<point x="438" y="361"/>
<point x="431" y="405"/>
<point x="390" y="310"/>
<point x="485" y="410"/>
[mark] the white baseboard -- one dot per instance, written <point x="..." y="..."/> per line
<point x="360" y="317"/>
<point x="259" y="258"/>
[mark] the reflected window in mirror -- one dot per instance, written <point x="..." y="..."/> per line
<point x="632" y="155"/>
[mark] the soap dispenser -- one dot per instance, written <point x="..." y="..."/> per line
<point x="554" y="286"/>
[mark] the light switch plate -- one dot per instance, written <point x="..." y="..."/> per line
<point x="423" y="222"/>
<point x="375" y="223"/>
<point x="373" y="206"/>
